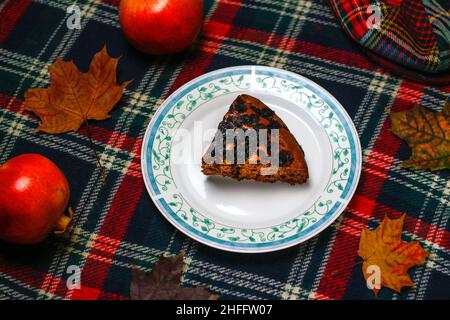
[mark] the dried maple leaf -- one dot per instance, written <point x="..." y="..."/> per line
<point x="75" y="97"/>
<point x="163" y="283"/>
<point x="428" y="135"/>
<point x="384" y="248"/>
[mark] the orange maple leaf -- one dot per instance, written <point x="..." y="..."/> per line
<point x="384" y="249"/>
<point x="74" y="97"/>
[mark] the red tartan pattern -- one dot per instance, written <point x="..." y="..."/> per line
<point x="110" y="234"/>
<point x="10" y="15"/>
<point x="408" y="33"/>
<point x="337" y="272"/>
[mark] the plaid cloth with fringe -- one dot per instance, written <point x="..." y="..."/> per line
<point x="412" y="33"/>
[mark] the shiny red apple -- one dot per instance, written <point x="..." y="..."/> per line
<point x="34" y="195"/>
<point x="161" y="26"/>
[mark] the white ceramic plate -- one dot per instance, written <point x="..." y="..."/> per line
<point x="249" y="216"/>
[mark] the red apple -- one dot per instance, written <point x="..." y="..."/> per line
<point x="34" y="195"/>
<point x="161" y="26"/>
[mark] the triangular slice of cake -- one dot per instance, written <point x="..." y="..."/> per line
<point x="275" y="156"/>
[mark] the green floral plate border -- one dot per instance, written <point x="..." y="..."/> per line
<point x="299" y="90"/>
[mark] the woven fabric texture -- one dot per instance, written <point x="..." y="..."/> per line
<point x="117" y="227"/>
<point x="412" y="33"/>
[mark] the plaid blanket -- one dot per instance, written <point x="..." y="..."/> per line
<point x="117" y="226"/>
<point x="412" y="33"/>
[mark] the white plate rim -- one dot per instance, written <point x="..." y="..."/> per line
<point x="318" y="227"/>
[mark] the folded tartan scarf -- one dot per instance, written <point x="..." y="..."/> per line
<point x="413" y="34"/>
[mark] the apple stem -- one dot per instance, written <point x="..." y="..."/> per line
<point x="62" y="224"/>
<point x="95" y="151"/>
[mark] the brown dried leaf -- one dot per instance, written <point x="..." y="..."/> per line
<point x="163" y="283"/>
<point x="74" y="97"/>
<point x="427" y="134"/>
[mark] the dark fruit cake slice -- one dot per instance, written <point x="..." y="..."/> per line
<point x="247" y="112"/>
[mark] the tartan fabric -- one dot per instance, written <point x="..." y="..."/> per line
<point x="412" y="33"/>
<point x="117" y="226"/>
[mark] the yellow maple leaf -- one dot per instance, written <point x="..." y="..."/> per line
<point x="384" y="248"/>
<point x="427" y="134"/>
<point x="75" y="97"/>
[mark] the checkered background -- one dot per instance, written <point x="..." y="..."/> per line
<point x="117" y="226"/>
